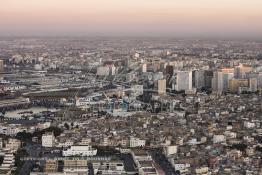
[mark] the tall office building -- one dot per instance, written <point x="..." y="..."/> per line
<point x="220" y="81"/>
<point x="208" y="78"/>
<point x="1" y="65"/>
<point x="169" y="74"/>
<point x="169" y="70"/>
<point x="161" y="86"/>
<point x="106" y="70"/>
<point x="253" y="84"/>
<point x="217" y="81"/>
<point x="242" y="70"/>
<point x="183" y="80"/>
<point x="259" y="80"/>
<point x="226" y="78"/>
<point x="199" y="79"/>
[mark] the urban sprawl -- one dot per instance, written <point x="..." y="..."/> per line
<point x="126" y="106"/>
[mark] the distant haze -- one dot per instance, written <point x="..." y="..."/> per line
<point x="178" y="18"/>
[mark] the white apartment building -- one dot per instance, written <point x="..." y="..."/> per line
<point x="8" y="164"/>
<point x="136" y="142"/>
<point x="10" y="130"/>
<point x="111" y="167"/>
<point x="103" y="71"/>
<point x="249" y="125"/>
<point x="170" y="150"/>
<point x="80" y="151"/>
<point x="219" y="138"/>
<point x="106" y="70"/>
<point x="48" y="140"/>
<point x="13" y="87"/>
<point x="65" y="144"/>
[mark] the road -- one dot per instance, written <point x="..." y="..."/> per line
<point x="33" y="151"/>
<point x="161" y="159"/>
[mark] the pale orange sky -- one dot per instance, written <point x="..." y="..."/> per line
<point x="132" y="17"/>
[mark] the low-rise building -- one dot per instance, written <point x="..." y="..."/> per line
<point x="48" y="139"/>
<point x="136" y="142"/>
<point x="80" y="151"/>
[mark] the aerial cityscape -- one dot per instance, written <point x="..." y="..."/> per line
<point x="131" y="94"/>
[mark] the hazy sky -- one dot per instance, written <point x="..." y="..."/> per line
<point x="235" y="18"/>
